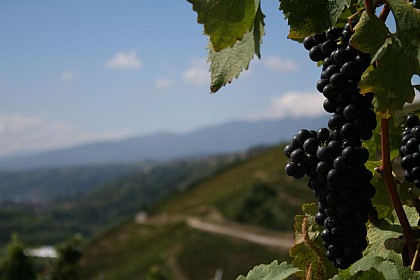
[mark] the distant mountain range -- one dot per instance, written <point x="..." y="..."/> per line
<point x="226" y="138"/>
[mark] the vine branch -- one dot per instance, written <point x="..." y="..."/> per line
<point x="386" y="171"/>
<point x="369" y="6"/>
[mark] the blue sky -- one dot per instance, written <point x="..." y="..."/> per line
<point x="80" y="71"/>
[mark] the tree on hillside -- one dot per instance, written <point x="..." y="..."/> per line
<point x="67" y="265"/>
<point x="16" y="265"/>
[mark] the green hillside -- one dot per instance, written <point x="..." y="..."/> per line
<point x="254" y="191"/>
<point x="105" y="205"/>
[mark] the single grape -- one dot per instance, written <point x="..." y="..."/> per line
<point x="338" y="80"/>
<point x="298" y="156"/>
<point x="302" y="135"/>
<point x="333" y="33"/>
<point x="315" y="54"/>
<point x="309" y="42"/>
<point x="412" y="120"/>
<point x="328" y="47"/>
<point x="310" y="146"/>
<point x="342" y="56"/>
<point x="320" y="38"/>
<point x="321" y="84"/>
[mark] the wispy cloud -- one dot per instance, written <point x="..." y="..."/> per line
<point x="293" y="104"/>
<point x="279" y="64"/>
<point x="163" y="83"/>
<point x="68" y="76"/>
<point x="124" y="61"/>
<point x="197" y="73"/>
<point x="27" y="133"/>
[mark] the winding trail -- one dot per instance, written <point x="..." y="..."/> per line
<point x="249" y="236"/>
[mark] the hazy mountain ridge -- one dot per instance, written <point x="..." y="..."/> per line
<point x="226" y="138"/>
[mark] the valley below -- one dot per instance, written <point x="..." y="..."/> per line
<point x="183" y="219"/>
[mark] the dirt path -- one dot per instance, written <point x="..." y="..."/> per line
<point x="252" y="237"/>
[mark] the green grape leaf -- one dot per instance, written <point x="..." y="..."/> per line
<point x="309" y="17"/>
<point x="227" y="64"/>
<point x="385" y="237"/>
<point x="397" y="60"/>
<point x="407" y="19"/>
<point x="308" y="252"/>
<point x="369" y="34"/>
<point x="369" y="275"/>
<point x="385" y="240"/>
<point x="386" y="267"/>
<point x="273" y="271"/>
<point x="225" y="21"/>
<point x="391" y="79"/>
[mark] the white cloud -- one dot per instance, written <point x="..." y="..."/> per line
<point x="197" y="73"/>
<point x="278" y="64"/>
<point x="68" y="76"/>
<point x="293" y="104"/>
<point x="27" y="133"/>
<point x="163" y="83"/>
<point x="124" y="61"/>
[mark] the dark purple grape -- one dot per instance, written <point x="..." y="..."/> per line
<point x="298" y="156"/>
<point x="315" y="54"/>
<point x="329" y="106"/>
<point x="309" y="42"/>
<point x="412" y="145"/>
<point x="310" y="146"/>
<point x="335" y="122"/>
<point x="331" y="70"/>
<point x="412" y="120"/>
<point x="320" y="218"/>
<point x="302" y="135"/>
<point x="341" y="163"/>
<point x="328" y="47"/>
<point x="330" y="92"/>
<point x="321" y="84"/>
<point x="320" y="38"/>
<point x="350" y="112"/>
<point x="346" y="35"/>
<point x="338" y="80"/>
<point x="325" y="154"/>
<point x="333" y="33"/>
<point x="327" y="62"/>
<point x="351" y="69"/>
<point x="323" y="134"/>
<point x="342" y="56"/>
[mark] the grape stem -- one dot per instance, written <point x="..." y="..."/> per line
<point x="386" y="171"/>
<point x="385" y="12"/>
<point x="369" y="6"/>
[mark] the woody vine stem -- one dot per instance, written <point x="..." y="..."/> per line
<point x="386" y="169"/>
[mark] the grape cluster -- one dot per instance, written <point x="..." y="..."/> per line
<point x="333" y="158"/>
<point x="410" y="150"/>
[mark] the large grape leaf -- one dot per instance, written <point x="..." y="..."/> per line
<point x="369" y="34"/>
<point x="273" y="271"/>
<point x="228" y="63"/>
<point x="387" y="268"/>
<point x="225" y="21"/>
<point x="309" y="17"/>
<point x="397" y="60"/>
<point x="390" y="80"/>
<point x="362" y="275"/>
<point x="308" y="252"/>
<point x="385" y="237"/>
<point x="407" y="19"/>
